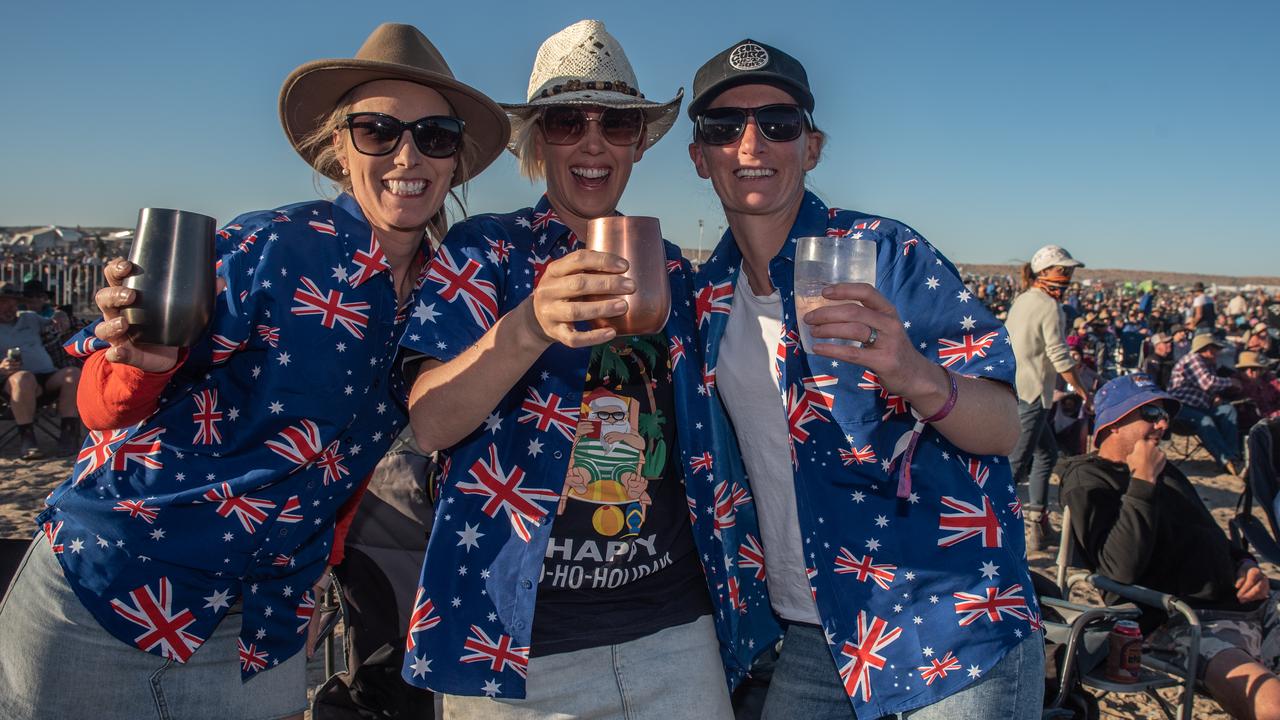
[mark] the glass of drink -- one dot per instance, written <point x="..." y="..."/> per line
<point x="172" y="256"/>
<point x="825" y="260"/>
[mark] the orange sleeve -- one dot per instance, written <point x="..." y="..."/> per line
<point x="346" y="514"/>
<point x="113" y="395"/>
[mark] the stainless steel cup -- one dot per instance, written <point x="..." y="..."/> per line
<point x="638" y="240"/>
<point x="172" y="255"/>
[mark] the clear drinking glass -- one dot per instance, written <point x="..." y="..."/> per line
<point x="825" y="260"/>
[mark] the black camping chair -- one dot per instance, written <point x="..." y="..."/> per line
<point x="12" y="551"/>
<point x="1262" y="481"/>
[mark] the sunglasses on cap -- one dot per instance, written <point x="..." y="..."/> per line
<point x="777" y="123"/>
<point x="1152" y="413"/>
<point x="567" y="124"/>
<point x="436" y="136"/>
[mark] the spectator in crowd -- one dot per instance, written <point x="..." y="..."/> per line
<point x="1201" y="315"/>
<point x="1139" y="520"/>
<point x="29" y="373"/>
<point x="1036" y="325"/>
<point x="1181" y="343"/>
<point x="1196" y="384"/>
<point x="1260" y="388"/>
<point x="1237" y="306"/>
<point x="1259" y="340"/>
<point x="1159" y="364"/>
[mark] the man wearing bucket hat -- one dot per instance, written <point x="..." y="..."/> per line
<point x="1037" y="329"/>
<point x="177" y="562"/>
<point x="1197" y="385"/>
<point x="862" y="459"/>
<point x="1138" y="520"/>
<point x="591" y="538"/>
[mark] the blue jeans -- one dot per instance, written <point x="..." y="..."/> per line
<point x="1035" y="454"/>
<point x="806" y="684"/>
<point x="1218" y="430"/>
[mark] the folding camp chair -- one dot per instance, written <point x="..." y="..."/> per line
<point x="1082" y="630"/>
<point x="1262" y="481"/>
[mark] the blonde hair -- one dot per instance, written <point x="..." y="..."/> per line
<point x="524" y="145"/>
<point x="320" y="146"/>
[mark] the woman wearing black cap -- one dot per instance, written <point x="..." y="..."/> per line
<point x="892" y="538"/>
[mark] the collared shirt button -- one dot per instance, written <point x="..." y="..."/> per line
<point x="526" y="583"/>
<point x="283" y="532"/>
<point x="557" y="454"/>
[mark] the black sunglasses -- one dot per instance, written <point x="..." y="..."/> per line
<point x="777" y="123"/>
<point x="436" y="136"/>
<point x="567" y="124"/>
<point x="1152" y="413"/>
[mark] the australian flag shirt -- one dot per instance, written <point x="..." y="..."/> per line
<point x="920" y="595"/>
<point x="470" y="630"/>
<point x="229" y="491"/>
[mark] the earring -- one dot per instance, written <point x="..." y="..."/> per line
<point x="346" y="171"/>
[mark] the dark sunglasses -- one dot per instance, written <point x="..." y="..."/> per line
<point x="1152" y="413"/>
<point x="436" y="136"/>
<point x="777" y="123"/>
<point x="566" y="125"/>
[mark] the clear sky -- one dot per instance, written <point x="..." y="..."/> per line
<point x="1138" y="134"/>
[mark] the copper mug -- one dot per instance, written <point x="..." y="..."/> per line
<point x="638" y="240"/>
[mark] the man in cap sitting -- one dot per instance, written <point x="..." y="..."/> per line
<point x="1196" y="384"/>
<point x="1138" y="520"/>
<point x="28" y="372"/>
<point x="1159" y="364"/>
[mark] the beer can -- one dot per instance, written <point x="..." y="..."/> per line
<point x="1124" y="658"/>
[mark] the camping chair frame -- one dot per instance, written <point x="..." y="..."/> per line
<point x="1157" y="671"/>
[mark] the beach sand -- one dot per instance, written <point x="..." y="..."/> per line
<point x="24" y="485"/>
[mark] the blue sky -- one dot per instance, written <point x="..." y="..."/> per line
<point x="1137" y="134"/>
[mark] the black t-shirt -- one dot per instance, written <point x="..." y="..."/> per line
<point x="621" y="563"/>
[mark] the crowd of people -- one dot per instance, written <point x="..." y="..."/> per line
<point x="627" y="525"/>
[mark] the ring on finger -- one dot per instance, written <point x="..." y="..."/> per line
<point x="871" y="338"/>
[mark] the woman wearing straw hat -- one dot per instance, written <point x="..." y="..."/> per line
<point x="887" y="511"/>
<point x="176" y="564"/>
<point x="564" y="577"/>
<point x="1037" y="328"/>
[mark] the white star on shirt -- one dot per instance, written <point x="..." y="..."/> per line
<point x="266" y="284"/>
<point x="926" y="651"/>
<point x="858" y="496"/>
<point x="341" y="347"/>
<point x="233" y="413"/>
<point x="933" y="599"/>
<point x="492" y="688"/>
<point x="917" y="620"/>
<point x="873" y="544"/>
<point x="932" y="282"/>
<point x="881" y="521"/>
<point x="255" y="372"/>
<point x="470" y="536"/>
<point x="963" y="296"/>
<point x="425" y="313"/>
<point x="974" y="671"/>
<point x="535" y="447"/>
<point x="382" y="408"/>
<point x="989" y="570"/>
<point x="348" y="390"/>
<point x="421" y="666"/>
<point x="157" y="534"/>
<point x="288" y="591"/>
<point x="456" y="602"/>
<point x="913" y="498"/>
<point x="260" y="634"/>
<point x="228" y="537"/>
<point x="968" y="322"/>
<point x="218" y="600"/>
<point x="340" y="273"/>
<point x="276" y="407"/>
<point x="77" y="545"/>
<point x="493" y="423"/>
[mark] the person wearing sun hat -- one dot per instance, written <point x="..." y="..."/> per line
<point x="1137" y="519"/>
<point x="1197" y="385"/>
<point x="179" y="560"/>
<point x="600" y="565"/>
<point x="861" y="456"/>
<point x="1260" y="386"/>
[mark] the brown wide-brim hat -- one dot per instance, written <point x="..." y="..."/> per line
<point x="392" y="52"/>
<point x="1250" y="359"/>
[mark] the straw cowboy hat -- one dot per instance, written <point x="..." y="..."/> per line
<point x="1250" y="359"/>
<point x="585" y="65"/>
<point x="392" y="52"/>
<point x="1200" y="342"/>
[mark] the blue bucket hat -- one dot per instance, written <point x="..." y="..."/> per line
<point x="1123" y="395"/>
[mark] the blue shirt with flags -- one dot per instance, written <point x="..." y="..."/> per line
<point x="229" y="491"/>
<point x="920" y="595"/>
<point x="472" y="618"/>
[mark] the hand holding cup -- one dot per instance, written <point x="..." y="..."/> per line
<point x="582" y="286"/>
<point x="114" y="329"/>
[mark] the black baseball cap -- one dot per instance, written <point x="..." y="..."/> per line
<point x="749" y="62"/>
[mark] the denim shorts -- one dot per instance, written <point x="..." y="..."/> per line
<point x="56" y="661"/>
<point x="672" y="674"/>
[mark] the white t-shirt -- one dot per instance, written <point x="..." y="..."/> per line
<point x="748" y="381"/>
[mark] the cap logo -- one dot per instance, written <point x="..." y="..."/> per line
<point x="748" y="56"/>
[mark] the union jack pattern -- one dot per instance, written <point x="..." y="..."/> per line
<point x="751" y="556"/>
<point x="869" y="547"/>
<point x="217" y="497"/>
<point x="501" y="485"/>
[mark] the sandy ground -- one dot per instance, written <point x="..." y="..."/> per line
<point x="23" y="486"/>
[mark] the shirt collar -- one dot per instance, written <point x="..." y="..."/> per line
<point x="811" y="220"/>
<point x="369" y="258"/>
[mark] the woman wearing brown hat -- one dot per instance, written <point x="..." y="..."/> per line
<point x="175" y="565"/>
<point x="565" y="575"/>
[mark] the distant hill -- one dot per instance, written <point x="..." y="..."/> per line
<point x="1135" y="276"/>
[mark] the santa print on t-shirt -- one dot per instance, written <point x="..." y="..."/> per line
<point x="620" y="449"/>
